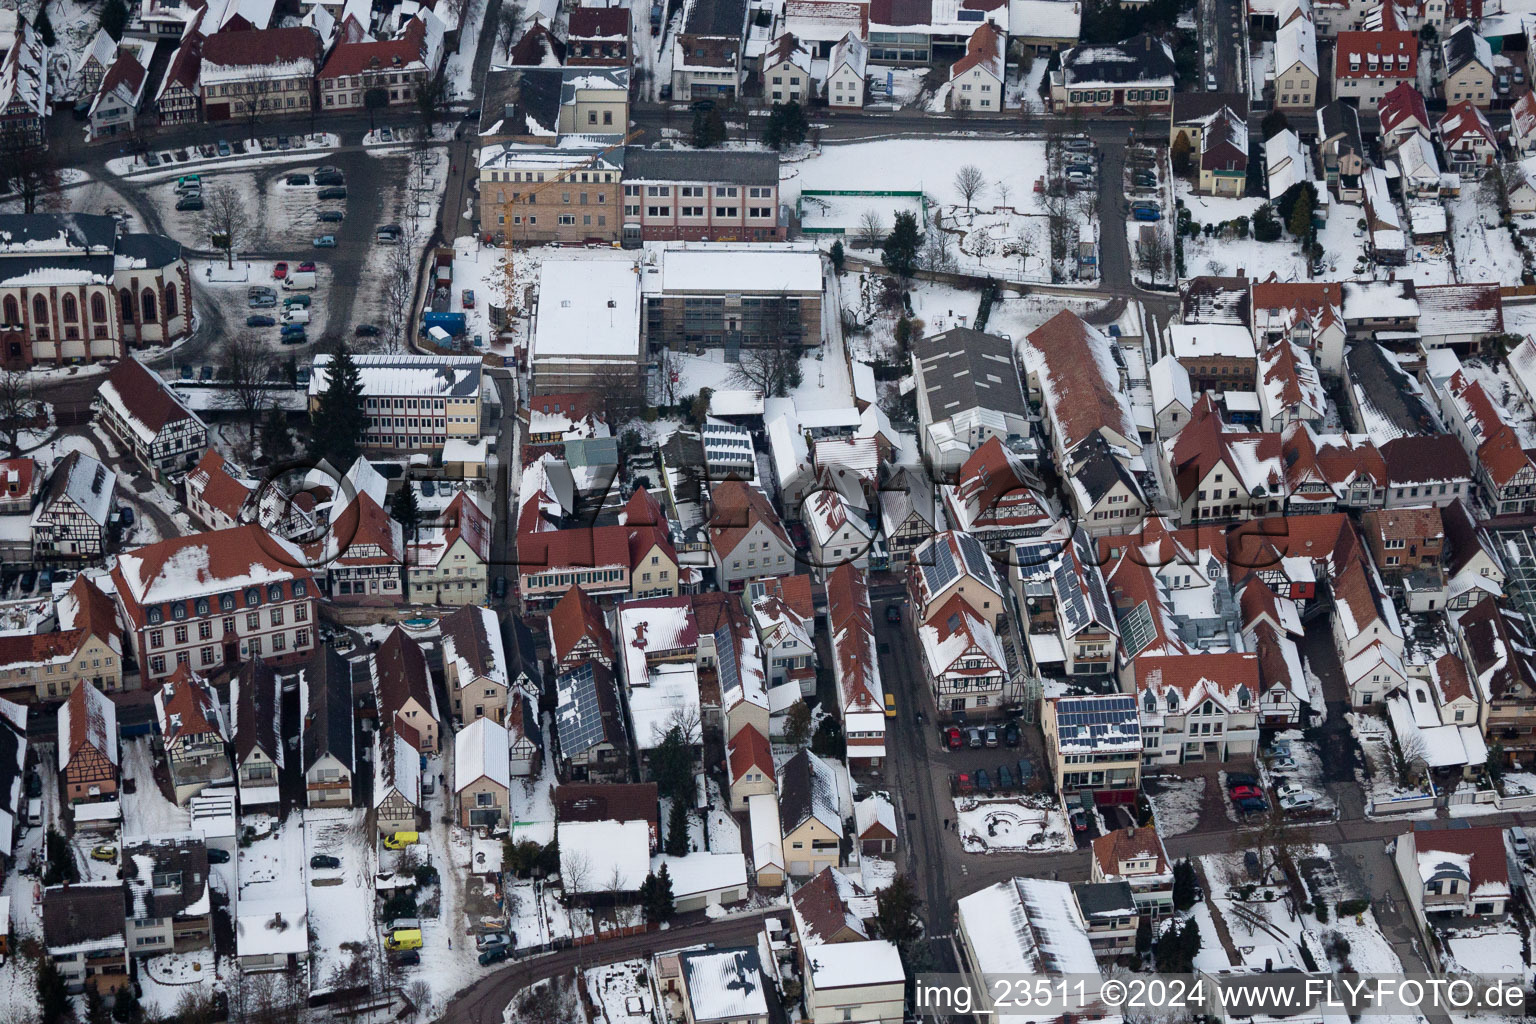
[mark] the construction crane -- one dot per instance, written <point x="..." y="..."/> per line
<point x="510" y="243"/>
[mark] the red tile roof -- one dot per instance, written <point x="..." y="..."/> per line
<point x="599" y="23"/>
<point x="1129" y="844"/>
<point x="1483" y="846"/>
<point x="349" y="59"/>
<point x="749" y="749"/>
<point x="984" y="47"/>
<point x="219" y="489"/>
<point x="1388" y="49"/>
<point x="145" y="396"/>
<point x="737" y="508"/>
<point x="261" y="46"/>
<point x="574" y="616"/>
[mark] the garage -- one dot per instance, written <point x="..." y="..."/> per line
<point x="703" y="880"/>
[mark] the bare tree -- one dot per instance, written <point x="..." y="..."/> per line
<point x="1411" y="756"/>
<point x="1003" y="192"/>
<point x="871" y="230"/>
<point x="419" y="994"/>
<point x="1058" y="215"/>
<point x="938" y="252"/>
<point x="400" y="286"/>
<point x="28" y="170"/>
<point x="685" y="720"/>
<point x="259" y="84"/>
<point x="195" y="1006"/>
<point x="621" y="395"/>
<point x="969" y="182"/>
<point x="226" y="220"/>
<point x="249" y="391"/>
<point x="1025" y="245"/>
<point x="575" y="873"/>
<point x="1152" y="255"/>
<point x="18" y="404"/>
<point x="509" y="25"/>
<point x="549" y="1003"/>
<point x="772" y="364"/>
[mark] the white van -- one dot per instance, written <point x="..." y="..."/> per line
<point x="296" y="315"/>
<point x="35" y="811"/>
<point x="299" y="280"/>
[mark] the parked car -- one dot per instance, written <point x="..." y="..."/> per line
<point x="975" y="738"/>
<point x="1078" y="142"/>
<point x="325" y="241"/>
<point x="367" y="331"/>
<point x="1289" y="789"/>
<point x="1251" y="863"/>
<point x="1241" y="779"/>
<point x="1298" y="801"/>
<point x="964" y="784"/>
<point x="104" y="853"/>
<point x="1026" y="770"/>
<point x="952" y="738"/>
<point x="1004" y="778"/>
<point x="1521" y="844"/>
<point x="991" y="735"/>
<point x="332" y="179"/>
<point x="1011" y="734"/>
<point x="893" y="613"/>
<point x="324" y="860"/>
<point x="298" y="179"/>
<point x="127" y="513"/>
<point x="307" y="265"/>
<point x="296" y="300"/>
<point x="467" y="298"/>
<point x="333" y="192"/>
<point x="406" y="958"/>
<point x="279" y="271"/>
<point x="1252" y="805"/>
<point x="296" y="315"/>
<point x="491" y="940"/>
<point x="983" y="781"/>
<point x="385" y="135"/>
<point x="298" y="337"/>
<point x="224" y="149"/>
<point x="890" y="704"/>
<point x="1246" y="792"/>
<point x="702" y="106"/>
<point x="1283" y="764"/>
<point x="258" y="320"/>
<point x="400" y="840"/>
<point x="217" y="856"/>
<point x="1079" y="820"/>
<point x="331" y="216"/>
<point x="192" y="202"/>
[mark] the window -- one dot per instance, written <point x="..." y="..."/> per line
<point x="71" y="308"/>
<point x="170" y="300"/>
<point x="147" y="300"/>
<point x="40" y="313"/>
<point x="12" y="311"/>
<point x="253" y="620"/>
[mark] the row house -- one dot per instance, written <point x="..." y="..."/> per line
<point x="24" y="82"/>
<point x="1272" y="631"/>
<point x="449" y="564"/>
<point x="362" y="553"/>
<point x="411" y="401"/>
<point x="1079" y="602"/>
<point x="482" y="773"/>
<point x="1426" y="469"/>
<point x="148" y="421"/>
<point x="403" y="690"/>
<point x="215" y="599"/>
<point x="964" y="658"/>
<point x="255" y="700"/>
<point x="1290" y="388"/>
<point x="707" y="57"/>
<point x="785" y="69"/>
<point x="1468" y="67"/>
<point x="1106" y="497"/>
<point x="952" y="563"/>
<point x="395" y="69"/>
<point x="1291" y="553"/>
<point x="996" y="498"/>
<point x="71" y="518"/>
<point x="1403" y="115"/>
<point x="1366" y="632"/>
<point x="1132" y="76"/>
<point x="475" y="664"/>
<point x="115" y="105"/>
<point x="167" y="895"/>
<point x="1182" y="576"/>
<point x="1504" y="471"/>
<point x="85" y="647"/>
<point x="861" y="697"/>
<point x="1469" y="567"/>
<point x="1404" y="541"/>
<point x="247" y="74"/>
<point x="783" y="616"/>
<point x="193" y="732"/>
<point x="89" y="762"/>
<point x="1497" y="647"/>
<point x="967" y="390"/>
<point x="654" y="568"/>
<point x="398" y="785"/>
<point x="1219" y="472"/>
<point x="1198" y="707"/>
<point x="1071" y="374"/>
<point x="1218" y="357"/>
<point x="1296" y="67"/>
<point x="95" y="61"/>
<point x="595" y="559"/>
<point x="1093" y="744"/>
<point x="839" y="524"/>
<point x="692" y="196"/>
<point x="326" y="737"/>
<point x="178" y="100"/>
<point x="591" y="742"/>
<point x="1368" y="65"/>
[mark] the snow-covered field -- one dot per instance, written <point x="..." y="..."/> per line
<point x="989" y="825"/>
<point x="1488" y="951"/>
<point x="1176" y="804"/>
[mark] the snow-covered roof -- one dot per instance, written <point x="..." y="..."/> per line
<point x="85" y="482"/>
<point x="1027" y="926"/>
<point x="724" y="984"/>
<point x="854" y="964"/>
<point x="406" y="375"/>
<point x="1170" y="384"/>
<point x="727" y="267"/>
<point x="1285" y="160"/>
<point x="594" y="855"/>
<point x="587" y="308"/>
<point x="1204" y="341"/>
<point x="1296" y="43"/>
<point x="481" y="750"/>
<point x="272" y="926"/>
<point x="1045" y="19"/>
<point x="696" y="874"/>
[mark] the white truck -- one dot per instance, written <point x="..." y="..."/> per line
<point x="299" y="280"/>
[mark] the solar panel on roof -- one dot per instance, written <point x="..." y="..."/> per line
<point x="1137" y="629"/>
<point x="725" y="648"/>
<point x="975" y="558"/>
<point x="580" y="715"/>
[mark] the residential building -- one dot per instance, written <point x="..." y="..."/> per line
<point x="397" y="778"/>
<point x="1070" y="370"/>
<point x="83" y="929"/>
<point x="1403" y="115"/>
<point x="1424" y="469"/>
<point x="70" y="520"/>
<point x="861" y="698"/>
<point x="1135" y="75"/>
<point x="908" y="513"/>
<point x="578" y="632"/>
<point x="1454" y="871"/>
<point x="1137" y="857"/>
<point x="85" y="646"/>
<point x="1290" y="388"/>
<point x="167" y="895"/>
<point x="749" y="767"/>
<point x="1496" y="646"/>
<point x="363" y="554"/>
<point x="1468" y="67"/>
<point x="809" y="815"/>
<point x="849" y="976"/>
<point x="967" y="393"/>
<point x="450" y="564"/>
<point x="24" y="81"/>
<point x="719" y="985"/>
<point x="482" y="776"/>
<point x="1296" y="67"/>
<point x="88" y="747"/>
<point x="783" y="613"/>
<point x="715" y="196"/>
<point x="411" y="402"/>
<point x="193" y="732"/>
<point x="1467" y="138"/>
<point x="95" y="61"/>
<point x="1339" y="148"/>
<point x="1028" y="926"/>
<point x="952" y="563"/>
<point x="255" y="700"/>
<point x="1522" y="125"/>
<point x="611" y="801"/>
<point x="1308" y="314"/>
<point x="1368" y="65"/>
<point x="707" y="56"/>
<point x="403" y="689"/>
<point x="964" y="658"/>
<point x="1045" y="26"/>
<point x="1198" y="707"/>
<point x="249" y="598"/>
<point x="115" y="106"/>
<point x="1106" y="497"/>
<point x="149" y="422"/>
<point x="847" y="69"/>
<point x="771" y="294"/>
<point x="389" y="69"/>
<point x="598" y="37"/>
<point x="746" y="537"/>
<point x="1094" y="746"/>
<point x="976" y="79"/>
<point x="326" y="736"/>
<point x="1223" y="155"/>
<point x="257" y="72"/>
<point x="179" y="97"/>
<point x="874" y="820"/>
<point x="1110" y="915"/>
<point x="590" y="738"/>
<point x="1218" y="357"/>
<point x="546" y="106"/>
<point x="475" y="664"/>
<point x="1085" y="622"/>
<point x="1404" y="540"/>
<point x="1459" y="315"/>
<point x="996" y="498"/>
<point x="1220" y="472"/>
<point x="786" y="71"/>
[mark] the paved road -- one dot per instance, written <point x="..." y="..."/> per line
<point x="484" y="1001"/>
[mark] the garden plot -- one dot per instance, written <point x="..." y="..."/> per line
<point x="1382" y="788"/>
<point x="535" y="914"/>
<point x="340" y="899"/>
<point x="620" y="992"/>
<point x="1258" y="919"/>
<point x="1176" y="803"/>
<point x="1486" y="950"/>
<point x="1000" y="243"/>
<point x="172" y="977"/>
<point x="1485" y="250"/>
<point x="1012" y="824"/>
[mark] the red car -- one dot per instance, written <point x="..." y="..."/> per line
<point x="306" y="266"/>
<point x="1246" y="792"/>
<point x="280" y="271"/>
<point x="953" y="739"/>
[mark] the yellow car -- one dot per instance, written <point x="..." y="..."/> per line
<point x="400" y="840"/>
<point x="107" y="853"/>
<point x="890" y="705"/>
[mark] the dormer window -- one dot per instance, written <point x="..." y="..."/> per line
<point x="299" y="589"/>
<point x="179" y="611"/>
<point x="1150" y="703"/>
<point x="227" y="602"/>
<point x="1173" y="701"/>
<point x="155" y="617"/>
<point x="252" y="597"/>
<point x="202" y="606"/>
<point x="274" y="592"/>
<point x="1243" y="697"/>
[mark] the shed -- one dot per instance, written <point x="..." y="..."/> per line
<point x="704" y="879"/>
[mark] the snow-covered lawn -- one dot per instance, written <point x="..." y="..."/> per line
<point x="146" y="811"/>
<point x="1176" y="804"/>
<point x="167" y="979"/>
<point x="340" y="899"/>
<point x="1488" y="951"/>
<point x="923" y="165"/>
<point x="990" y="825"/>
<point x="876" y="873"/>
<point x="1382" y="789"/>
<point x="620" y="992"/>
<point x="1484" y="249"/>
<point x="995" y="241"/>
<point x="1261" y="925"/>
